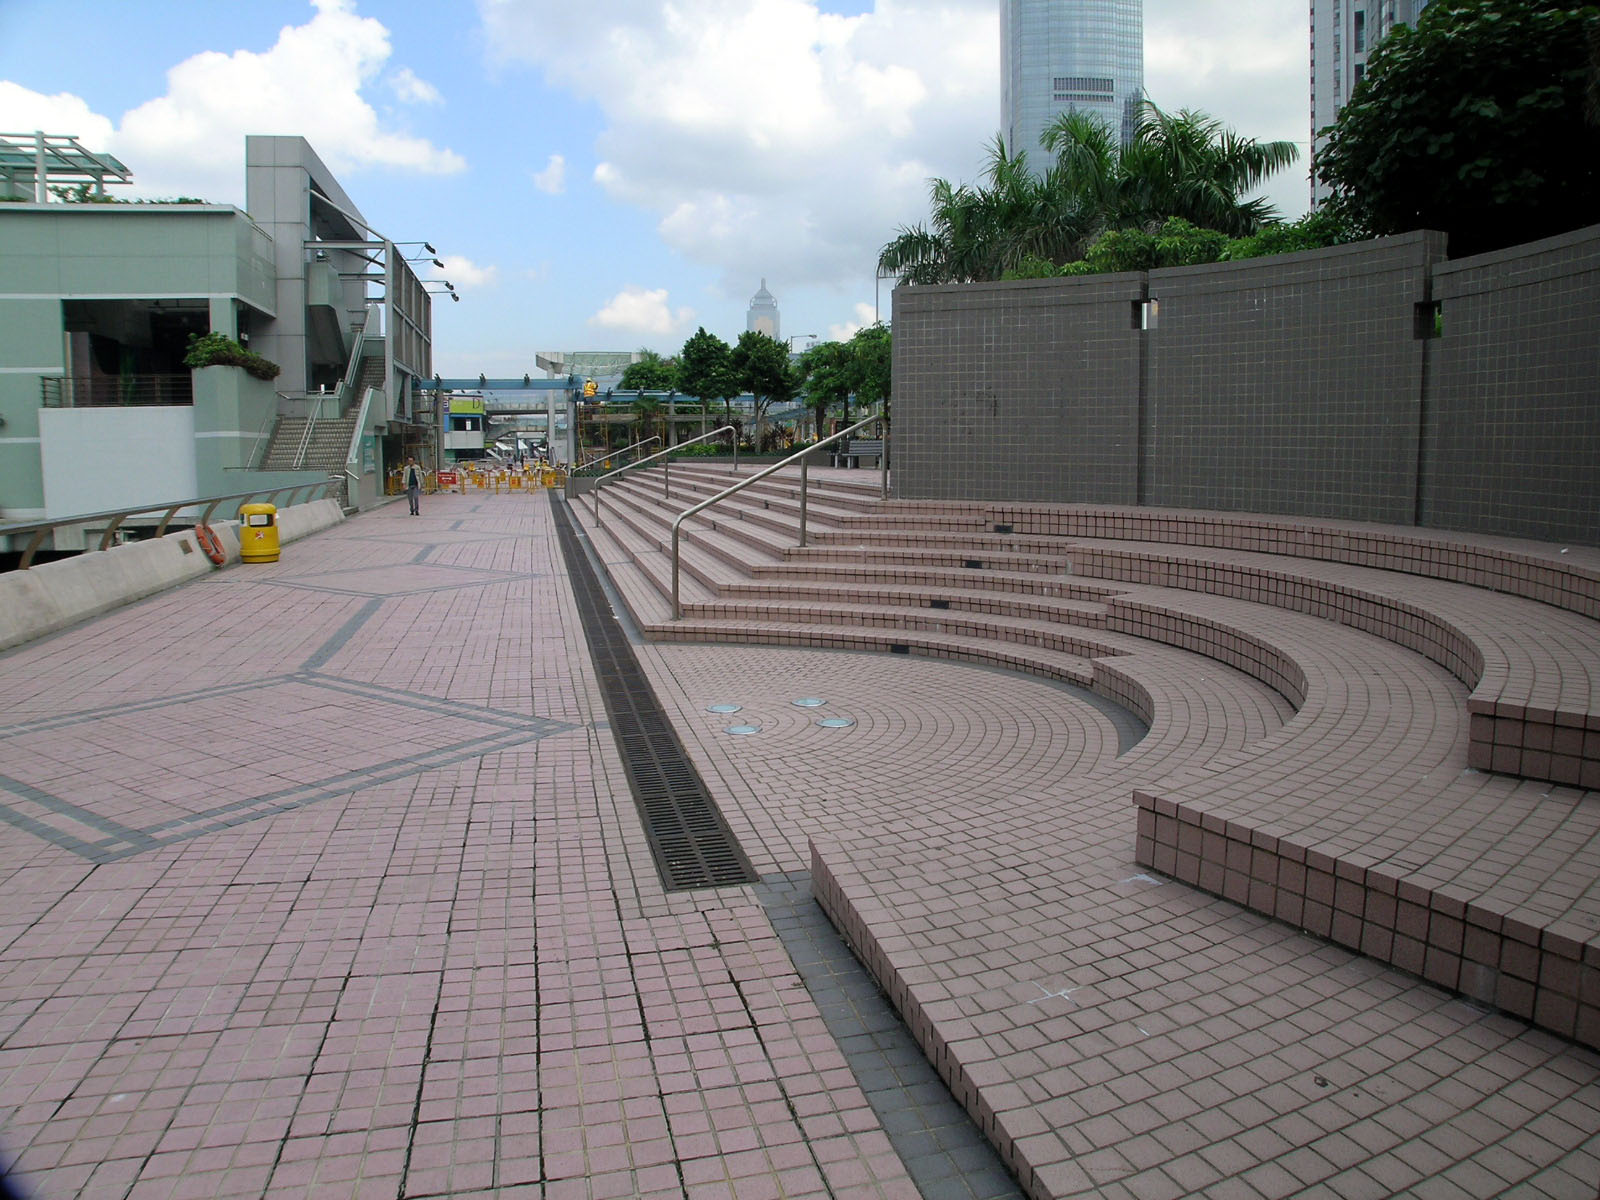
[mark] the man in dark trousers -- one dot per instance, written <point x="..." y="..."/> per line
<point x="411" y="477"/>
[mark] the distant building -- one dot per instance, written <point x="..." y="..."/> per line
<point x="1343" y="35"/>
<point x="763" y="314"/>
<point x="1069" y="55"/>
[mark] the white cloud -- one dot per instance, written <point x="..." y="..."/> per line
<point x="191" y="140"/>
<point x="845" y="330"/>
<point x="413" y="90"/>
<point x="769" y="137"/>
<point x="636" y="310"/>
<point x="553" y="179"/>
<point x="463" y="272"/>
<point x="26" y="111"/>
<point x="1245" y="62"/>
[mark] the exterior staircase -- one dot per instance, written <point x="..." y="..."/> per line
<point x="329" y="445"/>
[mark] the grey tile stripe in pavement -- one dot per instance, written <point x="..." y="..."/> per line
<point x="122" y="840"/>
<point x="944" y="1153"/>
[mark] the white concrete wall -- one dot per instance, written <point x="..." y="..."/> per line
<point x="54" y="595"/>
<point x="98" y="459"/>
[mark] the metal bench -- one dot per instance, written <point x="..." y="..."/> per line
<point x="852" y="451"/>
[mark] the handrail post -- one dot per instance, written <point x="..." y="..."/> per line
<point x="883" y="463"/>
<point x="739" y="486"/>
<point x="804" y="462"/>
<point x="665" y="455"/>
<point x="677" y="605"/>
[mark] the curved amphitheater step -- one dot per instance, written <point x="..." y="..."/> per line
<point x="1406" y="792"/>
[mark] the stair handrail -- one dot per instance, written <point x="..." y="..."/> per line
<point x="305" y="436"/>
<point x="654" y="437"/>
<point x="352" y="479"/>
<point x="799" y="456"/>
<point x="667" y="454"/>
<point x="352" y="371"/>
<point x="168" y="509"/>
<point x="257" y="450"/>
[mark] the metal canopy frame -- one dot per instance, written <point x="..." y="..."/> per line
<point x="39" y="160"/>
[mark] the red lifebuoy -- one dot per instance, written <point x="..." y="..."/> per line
<point x="210" y="543"/>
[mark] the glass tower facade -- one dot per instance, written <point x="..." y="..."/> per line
<point x="1059" y="55"/>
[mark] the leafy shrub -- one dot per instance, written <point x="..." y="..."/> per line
<point x="220" y="350"/>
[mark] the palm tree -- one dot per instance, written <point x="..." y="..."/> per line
<point x="1178" y="165"/>
<point x="1189" y="165"/>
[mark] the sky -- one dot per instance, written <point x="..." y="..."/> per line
<point x="606" y="174"/>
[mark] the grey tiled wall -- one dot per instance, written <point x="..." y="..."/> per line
<point x="1511" y="430"/>
<point x="1289" y="384"/>
<point x="1307" y="384"/>
<point x="1018" y="391"/>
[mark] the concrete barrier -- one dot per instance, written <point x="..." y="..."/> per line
<point x="54" y="595"/>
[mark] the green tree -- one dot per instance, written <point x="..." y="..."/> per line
<point x="1188" y="164"/>
<point x="647" y="416"/>
<point x="761" y="366"/>
<point x="705" y="370"/>
<point x="827" y="377"/>
<point x="1479" y="121"/>
<point x="980" y="232"/>
<point x="652" y="373"/>
<point x="870" y="348"/>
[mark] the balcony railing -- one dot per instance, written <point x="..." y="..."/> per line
<point x="115" y="391"/>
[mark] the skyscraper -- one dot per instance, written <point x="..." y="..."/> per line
<point x="763" y="314"/>
<point x="1343" y="36"/>
<point x="1061" y="55"/>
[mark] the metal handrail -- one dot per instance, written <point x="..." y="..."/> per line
<point x="798" y="455"/>
<point x="168" y="509"/>
<point x="352" y="372"/>
<point x="257" y="450"/>
<point x="654" y="437"/>
<point x="312" y="412"/>
<point x="352" y="479"/>
<point x="666" y="454"/>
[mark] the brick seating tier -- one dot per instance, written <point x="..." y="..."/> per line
<point x="1381" y="736"/>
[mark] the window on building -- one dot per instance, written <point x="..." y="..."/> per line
<point x="1360" y="30"/>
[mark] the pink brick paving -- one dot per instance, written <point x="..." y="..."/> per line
<point x="321" y="879"/>
<point x="1117" y="1035"/>
<point x="416" y="985"/>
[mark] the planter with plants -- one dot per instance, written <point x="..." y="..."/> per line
<point x="220" y="350"/>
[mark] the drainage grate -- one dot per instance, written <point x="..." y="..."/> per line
<point x="692" y="844"/>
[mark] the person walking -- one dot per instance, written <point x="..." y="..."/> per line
<point x="412" y="478"/>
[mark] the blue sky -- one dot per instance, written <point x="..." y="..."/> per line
<point x="605" y="174"/>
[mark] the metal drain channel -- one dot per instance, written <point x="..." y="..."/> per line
<point x="692" y="844"/>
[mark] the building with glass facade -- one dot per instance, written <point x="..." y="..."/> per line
<point x="1343" y="35"/>
<point x="1062" y="55"/>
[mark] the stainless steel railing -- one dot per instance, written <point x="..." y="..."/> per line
<point x="613" y="454"/>
<point x="667" y="465"/>
<point x="168" y="509"/>
<point x="800" y="457"/>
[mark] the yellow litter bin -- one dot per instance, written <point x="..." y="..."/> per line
<point x="258" y="533"/>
